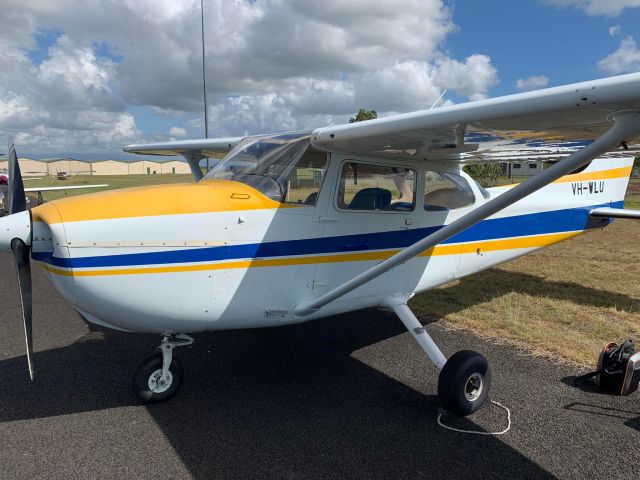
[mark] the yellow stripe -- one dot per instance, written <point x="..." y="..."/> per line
<point x="475" y="247"/>
<point x="504" y="244"/>
<point x="601" y="175"/>
<point x="621" y="172"/>
<point x="150" y="201"/>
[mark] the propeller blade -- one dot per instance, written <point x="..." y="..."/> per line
<point x="16" y="234"/>
<point x="17" y="199"/>
<point x="21" y="257"/>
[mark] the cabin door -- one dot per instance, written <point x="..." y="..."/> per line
<point x="368" y="213"/>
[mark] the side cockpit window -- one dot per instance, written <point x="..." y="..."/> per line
<point x="446" y="191"/>
<point x="282" y="167"/>
<point x="375" y="187"/>
<point x="304" y="180"/>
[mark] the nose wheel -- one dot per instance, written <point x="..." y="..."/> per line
<point x="159" y="376"/>
<point x="149" y="384"/>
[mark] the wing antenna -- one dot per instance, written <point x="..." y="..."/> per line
<point x="438" y="100"/>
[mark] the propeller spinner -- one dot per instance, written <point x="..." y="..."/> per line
<point x="15" y="235"/>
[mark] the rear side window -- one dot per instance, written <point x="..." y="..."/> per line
<point x="446" y="191"/>
<point x="375" y="187"/>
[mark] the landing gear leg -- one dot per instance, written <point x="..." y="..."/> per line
<point x="465" y="379"/>
<point x="159" y="376"/>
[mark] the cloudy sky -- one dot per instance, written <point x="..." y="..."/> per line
<point x="83" y="78"/>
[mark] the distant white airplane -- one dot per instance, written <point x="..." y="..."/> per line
<point x="292" y="227"/>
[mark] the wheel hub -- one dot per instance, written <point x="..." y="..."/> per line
<point x="473" y="387"/>
<point x="158" y="385"/>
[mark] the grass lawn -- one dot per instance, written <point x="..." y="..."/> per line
<point x="114" y="182"/>
<point x="565" y="301"/>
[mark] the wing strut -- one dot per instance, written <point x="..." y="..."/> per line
<point x="194" y="165"/>
<point x="626" y="124"/>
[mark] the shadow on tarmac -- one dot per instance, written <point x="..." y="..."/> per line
<point x="632" y="417"/>
<point x="288" y="402"/>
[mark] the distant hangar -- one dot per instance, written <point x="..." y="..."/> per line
<point x="70" y="166"/>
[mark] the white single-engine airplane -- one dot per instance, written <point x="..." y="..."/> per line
<point x="293" y="227"/>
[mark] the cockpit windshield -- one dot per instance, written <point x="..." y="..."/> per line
<point x="263" y="163"/>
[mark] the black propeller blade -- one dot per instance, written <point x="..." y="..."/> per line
<point x="21" y="257"/>
<point x="17" y="199"/>
<point x="21" y="251"/>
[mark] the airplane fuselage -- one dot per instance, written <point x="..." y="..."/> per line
<point x="220" y="255"/>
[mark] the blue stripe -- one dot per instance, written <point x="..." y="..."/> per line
<point x="521" y="225"/>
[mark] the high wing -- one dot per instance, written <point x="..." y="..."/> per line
<point x="545" y="124"/>
<point x="550" y="123"/>
<point x="203" y="148"/>
<point x="192" y="150"/>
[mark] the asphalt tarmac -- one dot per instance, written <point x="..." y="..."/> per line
<point x="347" y="397"/>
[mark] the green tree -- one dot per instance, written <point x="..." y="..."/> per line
<point x="486" y="174"/>
<point x="363" y="115"/>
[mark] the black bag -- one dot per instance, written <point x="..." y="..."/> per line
<point x="618" y="369"/>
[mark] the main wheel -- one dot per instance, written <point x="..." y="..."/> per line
<point x="464" y="383"/>
<point x="147" y="384"/>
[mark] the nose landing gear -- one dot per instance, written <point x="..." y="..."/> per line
<point x="159" y="376"/>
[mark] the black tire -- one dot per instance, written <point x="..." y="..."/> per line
<point x="464" y="383"/>
<point x="143" y="374"/>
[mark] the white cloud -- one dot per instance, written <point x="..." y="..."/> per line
<point x="402" y="86"/>
<point x="615" y="30"/>
<point x="625" y="59"/>
<point x="533" y="82"/>
<point x="65" y="102"/>
<point x="177" y="132"/>
<point x="251" y="114"/>
<point x="611" y="8"/>
<point x="309" y="103"/>
<point x="472" y="78"/>
<point x="272" y="65"/>
<point x="78" y="77"/>
<point x="318" y="96"/>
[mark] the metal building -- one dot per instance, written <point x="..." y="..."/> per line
<point x="70" y="166"/>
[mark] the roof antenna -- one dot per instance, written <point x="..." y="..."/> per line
<point x="204" y="77"/>
<point x="438" y="100"/>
